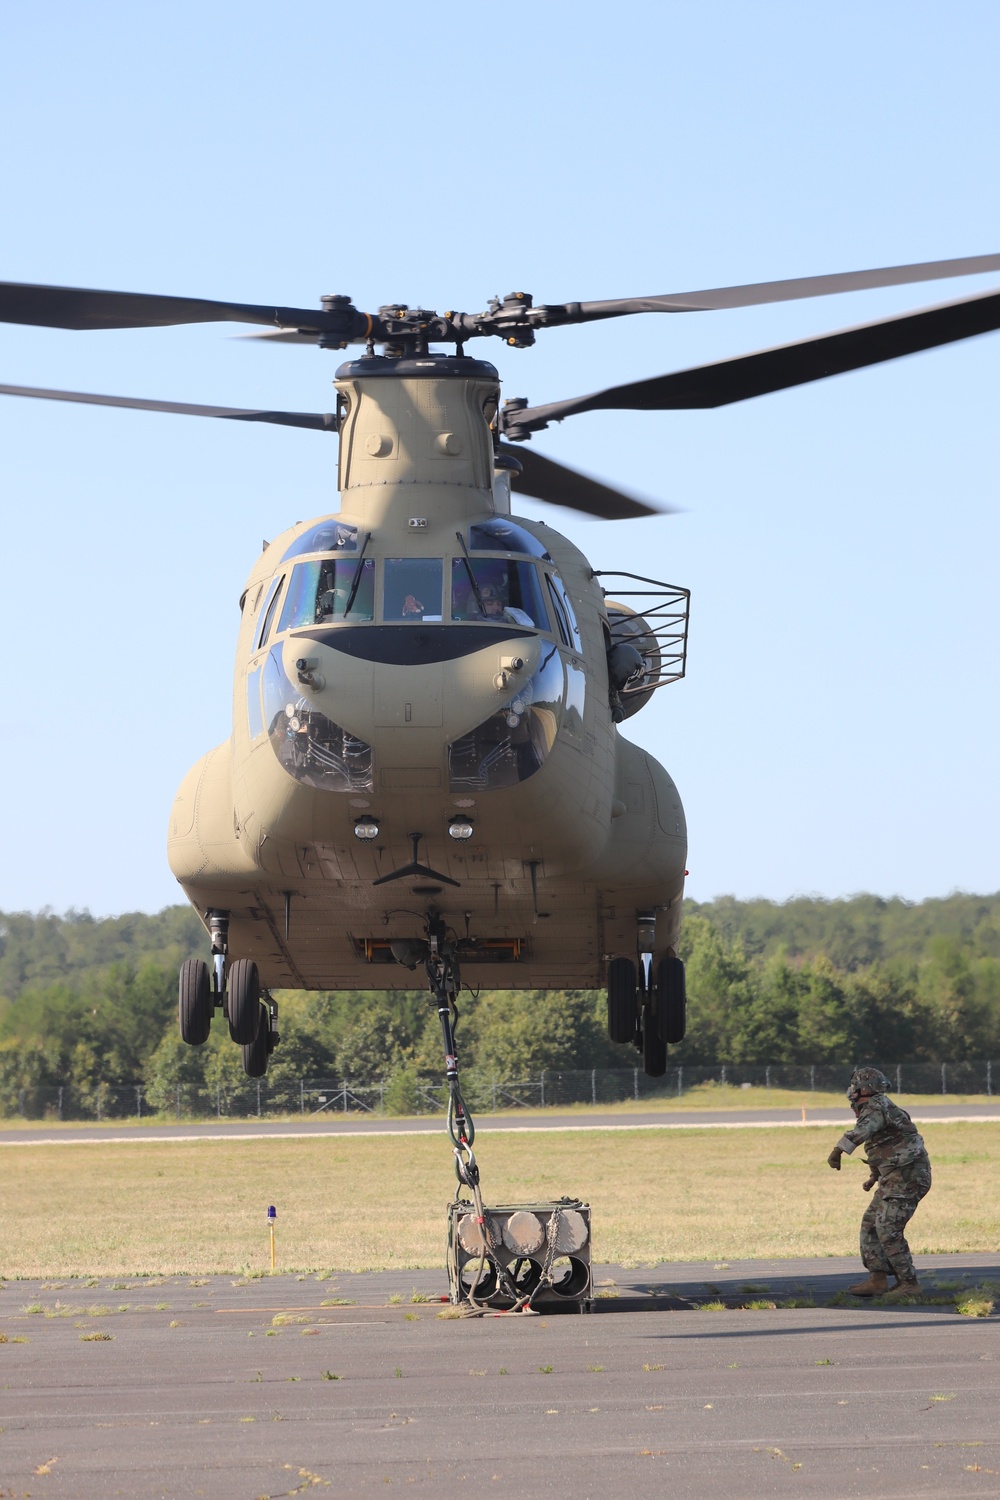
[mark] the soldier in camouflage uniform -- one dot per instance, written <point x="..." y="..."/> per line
<point x="902" y="1171"/>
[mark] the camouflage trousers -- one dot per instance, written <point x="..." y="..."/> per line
<point x="883" y="1243"/>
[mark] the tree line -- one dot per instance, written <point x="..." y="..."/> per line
<point x="91" y="1003"/>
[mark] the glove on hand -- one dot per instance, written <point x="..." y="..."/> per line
<point x="869" y="1184"/>
<point x="833" y="1160"/>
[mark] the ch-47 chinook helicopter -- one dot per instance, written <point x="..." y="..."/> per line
<point x="426" y="767"/>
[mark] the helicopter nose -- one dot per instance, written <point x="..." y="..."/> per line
<point x="414" y="646"/>
<point x="469" y="674"/>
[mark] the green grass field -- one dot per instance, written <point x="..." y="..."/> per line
<point x="371" y="1203"/>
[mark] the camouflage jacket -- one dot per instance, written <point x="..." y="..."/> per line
<point x="888" y="1134"/>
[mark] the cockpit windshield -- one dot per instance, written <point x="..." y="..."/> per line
<point x="329" y="588"/>
<point x="497" y="591"/>
<point x="412" y="589"/>
<point x="485" y="590"/>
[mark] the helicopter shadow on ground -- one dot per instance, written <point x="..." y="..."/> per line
<point x="797" y="1284"/>
<point x="782" y="1330"/>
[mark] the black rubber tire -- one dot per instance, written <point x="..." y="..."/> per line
<point x="654" y="1048"/>
<point x="194" y="1002"/>
<point x="623" y="1009"/>
<point x="255" y="1054"/>
<point x="672" y="1000"/>
<point x="243" y="1000"/>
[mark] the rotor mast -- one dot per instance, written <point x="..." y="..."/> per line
<point x="416" y="443"/>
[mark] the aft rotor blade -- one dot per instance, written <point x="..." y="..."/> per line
<point x="544" y="479"/>
<point x="321" y="421"/>
<point x="759" y="292"/>
<point x="82" y="307"/>
<point x="777" y="369"/>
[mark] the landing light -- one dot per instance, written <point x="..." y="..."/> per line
<point x="460" y="828"/>
<point x="366" y="828"/>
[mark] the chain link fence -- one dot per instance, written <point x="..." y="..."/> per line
<point x="407" y="1092"/>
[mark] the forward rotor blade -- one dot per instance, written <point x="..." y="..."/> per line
<point x="81" y="307"/>
<point x="777" y="369"/>
<point x="320" y="421"/>
<point x="780" y="291"/>
<point x="281" y="336"/>
<point x="544" y="479"/>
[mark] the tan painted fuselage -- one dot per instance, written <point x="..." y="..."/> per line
<point x="396" y="713"/>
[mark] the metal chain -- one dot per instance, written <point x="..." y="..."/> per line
<point x="467" y="1171"/>
<point x="551" y="1235"/>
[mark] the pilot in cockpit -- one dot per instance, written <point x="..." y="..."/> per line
<point x="326" y="596"/>
<point x="494" y="607"/>
<point x="340" y="583"/>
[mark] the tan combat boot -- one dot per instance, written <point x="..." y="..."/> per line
<point x="904" y="1291"/>
<point x="876" y="1285"/>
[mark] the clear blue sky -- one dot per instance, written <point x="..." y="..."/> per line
<point x="837" y="731"/>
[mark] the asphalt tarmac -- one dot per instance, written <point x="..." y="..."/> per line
<point x="354" y="1385"/>
<point x="510" y="1120"/>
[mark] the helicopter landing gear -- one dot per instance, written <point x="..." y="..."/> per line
<point x="623" y="1007"/>
<point x="218" y="926"/>
<point x="672" y="998"/>
<point x="194" y="1002"/>
<point x="654" y="1048"/>
<point x="243" y="1001"/>
<point x="257" y="1052"/>
<point x="199" y="994"/>
<point x="653" y="1043"/>
<point x="235" y="990"/>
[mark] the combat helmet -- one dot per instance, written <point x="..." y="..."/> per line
<point x="867" y="1080"/>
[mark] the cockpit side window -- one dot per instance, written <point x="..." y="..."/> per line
<point x="300" y="598"/>
<point x="273" y="595"/>
<point x="321" y="590"/>
<point x="498" y="591"/>
<point x="559" y="612"/>
<point x="568" y="628"/>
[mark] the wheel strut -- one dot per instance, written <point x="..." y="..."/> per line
<point x="218" y="926"/>
<point x="645" y="942"/>
<point x="654" y="1052"/>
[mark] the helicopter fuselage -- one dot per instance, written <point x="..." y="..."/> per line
<point x="422" y="721"/>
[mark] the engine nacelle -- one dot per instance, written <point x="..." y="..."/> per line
<point x="634" y="658"/>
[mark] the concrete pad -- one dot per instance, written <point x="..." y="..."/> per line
<point x="239" y="1388"/>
